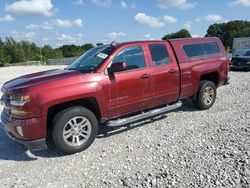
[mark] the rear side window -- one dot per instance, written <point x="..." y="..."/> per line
<point x="159" y="54"/>
<point x="211" y="48"/>
<point x="193" y="50"/>
<point x="202" y="49"/>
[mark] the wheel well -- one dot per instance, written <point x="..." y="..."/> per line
<point x="213" y="77"/>
<point x="90" y="103"/>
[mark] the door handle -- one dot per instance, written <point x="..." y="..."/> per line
<point x="172" y="71"/>
<point x="145" y="76"/>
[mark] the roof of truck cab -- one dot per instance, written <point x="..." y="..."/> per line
<point x="137" y="42"/>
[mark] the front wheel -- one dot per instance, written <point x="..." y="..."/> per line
<point x="206" y="95"/>
<point x="74" y="130"/>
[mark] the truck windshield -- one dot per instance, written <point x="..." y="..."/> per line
<point x="90" y="61"/>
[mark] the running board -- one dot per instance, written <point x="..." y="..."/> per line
<point x="154" y="112"/>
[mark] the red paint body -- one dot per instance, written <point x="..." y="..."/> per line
<point x="127" y="92"/>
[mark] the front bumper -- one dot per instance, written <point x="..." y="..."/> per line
<point x="30" y="138"/>
<point x="240" y="63"/>
<point x="34" y="145"/>
<point x="240" y="66"/>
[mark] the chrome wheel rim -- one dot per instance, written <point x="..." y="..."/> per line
<point x="208" y="95"/>
<point x="77" y="131"/>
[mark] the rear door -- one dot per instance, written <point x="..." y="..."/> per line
<point x="165" y="74"/>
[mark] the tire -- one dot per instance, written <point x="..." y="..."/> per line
<point x="74" y="130"/>
<point x="206" y="95"/>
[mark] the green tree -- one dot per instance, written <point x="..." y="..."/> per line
<point x="49" y="53"/>
<point x="13" y="51"/>
<point x="87" y="47"/>
<point x="31" y="51"/>
<point x="183" y="33"/>
<point x="228" y="31"/>
<point x="71" y="50"/>
<point x="1" y="52"/>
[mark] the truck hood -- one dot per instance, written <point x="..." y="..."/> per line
<point x="39" y="78"/>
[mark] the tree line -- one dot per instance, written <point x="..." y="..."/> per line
<point x="225" y="31"/>
<point x="12" y="51"/>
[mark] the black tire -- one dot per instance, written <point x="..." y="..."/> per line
<point x="61" y="120"/>
<point x="199" y="100"/>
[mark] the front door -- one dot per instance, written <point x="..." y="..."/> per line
<point x="128" y="89"/>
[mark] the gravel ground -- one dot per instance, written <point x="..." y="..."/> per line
<point x="186" y="148"/>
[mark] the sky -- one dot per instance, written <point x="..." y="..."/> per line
<point x="58" y="22"/>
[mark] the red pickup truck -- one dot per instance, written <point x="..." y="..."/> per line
<point x="115" y="85"/>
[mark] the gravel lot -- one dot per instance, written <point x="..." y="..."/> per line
<point x="187" y="148"/>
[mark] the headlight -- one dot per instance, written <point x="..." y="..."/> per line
<point x="17" y="100"/>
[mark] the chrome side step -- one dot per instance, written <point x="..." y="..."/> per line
<point x="154" y="112"/>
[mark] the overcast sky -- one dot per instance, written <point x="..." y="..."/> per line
<point x="58" y="22"/>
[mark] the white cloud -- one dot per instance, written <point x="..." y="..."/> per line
<point x="181" y="4"/>
<point x="187" y="25"/>
<point x="67" y="23"/>
<point x="245" y="3"/>
<point x="197" y="19"/>
<point x="45" y="25"/>
<point x="31" y="7"/>
<point x="213" y="18"/>
<point x="102" y="3"/>
<point x="114" y="35"/>
<point x="124" y="5"/>
<point x="60" y="39"/>
<point x="148" y="37"/>
<point x="45" y="40"/>
<point x="142" y="18"/>
<point x="68" y="38"/>
<point x="22" y="36"/>
<point x="196" y="36"/>
<point x="29" y="35"/>
<point x="133" y="5"/>
<point x="170" y="19"/>
<point x="79" y="2"/>
<point x="6" y="18"/>
<point x="56" y="23"/>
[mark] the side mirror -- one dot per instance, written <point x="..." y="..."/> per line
<point x="117" y="67"/>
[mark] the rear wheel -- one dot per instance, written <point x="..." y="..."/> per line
<point x="74" y="129"/>
<point x="206" y="95"/>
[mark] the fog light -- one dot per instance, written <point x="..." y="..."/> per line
<point x="19" y="130"/>
<point x="19" y="112"/>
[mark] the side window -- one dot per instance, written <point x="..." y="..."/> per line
<point x="159" y="54"/>
<point x="193" y="50"/>
<point x="132" y="56"/>
<point x="202" y="49"/>
<point x="211" y="48"/>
